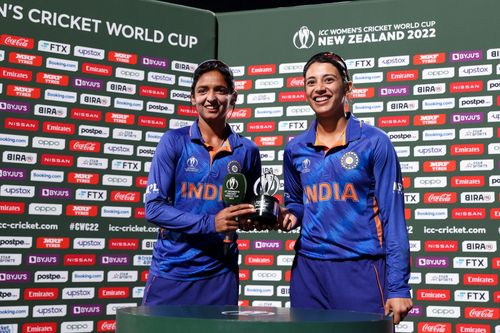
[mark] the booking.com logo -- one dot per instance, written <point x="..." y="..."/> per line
<point x="304" y="38"/>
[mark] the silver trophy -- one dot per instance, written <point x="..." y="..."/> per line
<point x="266" y="205"/>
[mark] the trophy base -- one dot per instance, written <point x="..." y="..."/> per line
<point x="267" y="210"/>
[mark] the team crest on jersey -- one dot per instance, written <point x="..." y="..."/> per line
<point x="192" y="164"/>
<point x="234" y="167"/>
<point x="349" y="160"/>
<point x="306" y="165"/>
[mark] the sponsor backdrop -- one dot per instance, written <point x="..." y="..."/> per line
<point x="427" y="73"/>
<point x="87" y="89"/>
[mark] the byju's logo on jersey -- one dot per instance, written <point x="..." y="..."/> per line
<point x="304" y="38"/>
<point x="192" y="164"/>
<point x="350" y="160"/>
<point x="306" y="165"/>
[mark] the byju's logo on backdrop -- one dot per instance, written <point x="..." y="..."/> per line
<point x="304" y="38"/>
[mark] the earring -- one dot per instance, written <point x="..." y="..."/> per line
<point x="345" y="101"/>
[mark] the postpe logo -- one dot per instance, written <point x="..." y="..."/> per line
<point x="304" y="38"/>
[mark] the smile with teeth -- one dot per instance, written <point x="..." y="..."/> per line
<point x="211" y="107"/>
<point x="321" y="98"/>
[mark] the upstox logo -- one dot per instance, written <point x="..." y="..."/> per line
<point x="304" y="38"/>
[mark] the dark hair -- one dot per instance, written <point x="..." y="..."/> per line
<point x="331" y="58"/>
<point x="213" y="65"/>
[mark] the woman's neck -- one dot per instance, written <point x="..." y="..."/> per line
<point x="213" y="134"/>
<point x="331" y="126"/>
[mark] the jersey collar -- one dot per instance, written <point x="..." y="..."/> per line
<point x="233" y="139"/>
<point x="353" y="130"/>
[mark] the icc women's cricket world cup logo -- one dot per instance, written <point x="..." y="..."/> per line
<point x="266" y="205"/>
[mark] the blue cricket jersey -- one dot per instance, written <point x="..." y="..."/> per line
<point x="184" y="195"/>
<point x="349" y="200"/>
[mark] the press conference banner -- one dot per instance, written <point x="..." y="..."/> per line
<point x="427" y="73"/>
<point x="87" y="89"/>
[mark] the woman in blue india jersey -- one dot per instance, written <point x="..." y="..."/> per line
<point x="183" y="198"/>
<point x="343" y="188"/>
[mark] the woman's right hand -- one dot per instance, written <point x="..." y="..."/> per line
<point x="225" y="220"/>
<point x="286" y="220"/>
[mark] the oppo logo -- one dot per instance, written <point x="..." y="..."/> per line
<point x="420" y="182"/>
<point x="443" y="311"/>
<point x="45" y="209"/>
<point x="77" y="326"/>
<point x="260" y="275"/>
<point x="49" y="143"/>
<point x="297" y="67"/>
<point x="117" y="180"/>
<point x="269" y="83"/>
<point x="438" y="73"/>
<point x="127" y="73"/>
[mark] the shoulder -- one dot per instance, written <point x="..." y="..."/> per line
<point x="297" y="142"/>
<point x="248" y="144"/>
<point x="173" y="135"/>
<point x="173" y="141"/>
<point x="375" y="135"/>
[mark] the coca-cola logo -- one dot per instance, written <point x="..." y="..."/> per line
<point x="106" y="326"/>
<point x="125" y="196"/>
<point x="15" y="41"/>
<point x="295" y="82"/>
<point x="434" y="327"/>
<point x="87" y="146"/>
<point x="440" y="197"/>
<point x="239" y="114"/>
<point x="481" y="313"/>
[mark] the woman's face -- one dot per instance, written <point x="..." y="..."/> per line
<point x="211" y="96"/>
<point x="325" y="89"/>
